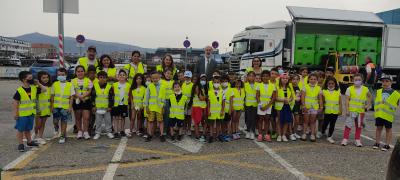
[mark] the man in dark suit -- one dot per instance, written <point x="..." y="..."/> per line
<point x="207" y="64"/>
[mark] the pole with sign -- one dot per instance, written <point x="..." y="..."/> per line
<point x="80" y="39"/>
<point x="61" y="7"/>
<point x="186" y="44"/>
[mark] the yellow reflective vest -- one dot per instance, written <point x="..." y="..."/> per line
<point x="81" y="90"/>
<point x="44" y="102"/>
<point x="84" y="61"/>
<point x="61" y="100"/>
<point x="238" y="99"/>
<point x="311" y="96"/>
<point x="266" y="94"/>
<point x="386" y="109"/>
<point x="102" y="96"/>
<point x="215" y="104"/>
<point x="331" y="101"/>
<point x="132" y="72"/>
<point x="138" y="96"/>
<point x="357" y="101"/>
<point x="250" y="100"/>
<point x="118" y="99"/>
<point x="177" y="109"/>
<point x="156" y="99"/>
<point x="27" y="106"/>
<point x="281" y="95"/>
<point x="159" y="68"/>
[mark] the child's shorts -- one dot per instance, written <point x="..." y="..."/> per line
<point x="296" y="108"/>
<point x="285" y="115"/>
<point x="175" y="122"/>
<point x="121" y="110"/>
<point x="87" y="105"/>
<point x="312" y="111"/>
<point x="382" y="122"/>
<point x="152" y="116"/>
<point x="61" y="114"/>
<point x="24" y="123"/>
<point x="227" y="117"/>
<point x="197" y="115"/>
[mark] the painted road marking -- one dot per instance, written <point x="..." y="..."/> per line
<point x="188" y="144"/>
<point x="112" y="167"/>
<point x="282" y="161"/>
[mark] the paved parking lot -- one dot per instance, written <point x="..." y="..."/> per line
<point x="135" y="159"/>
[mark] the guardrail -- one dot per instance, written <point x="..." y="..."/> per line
<point x="11" y="72"/>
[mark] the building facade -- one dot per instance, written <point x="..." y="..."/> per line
<point x="41" y="50"/>
<point x="11" y="46"/>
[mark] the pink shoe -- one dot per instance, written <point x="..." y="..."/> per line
<point x="259" y="138"/>
<point x="267" y="138"/>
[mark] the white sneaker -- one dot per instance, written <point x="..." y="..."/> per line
<point x="330" y="139"/>
<point x="284" y="138"/>
<point x="33" y="136"/>
<point x="86" y="135"/>
<point x="247" y="135"/>
<point x="110" y="135"/>
<point x="79" y="135"/>
<point x="128" y="133"/>
<point x="279" y="139"/>
<point x="312" y="138"/>
<point x="62" y="140"/>
<point x="319" y="135"/>
<point x="304" y="137"/>
<point x="297" y="136"/>
<point x="133" y="131"/>
<point x="293" y="137"/>
<point x="41" y="141"/>
<point x="97" y="136"/>
<point x="358" y="143"/>
<point x="344" y="142"/>
<point x="252" y="136"/>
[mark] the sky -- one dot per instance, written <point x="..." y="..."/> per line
<point x="163" y="23"/>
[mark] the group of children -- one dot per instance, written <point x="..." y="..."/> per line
<point x="276" y="104"/>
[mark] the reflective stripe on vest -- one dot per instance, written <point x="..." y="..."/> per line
<point x="102" y="99"/>
<point x="357" y="102"/>
<point x="266" y="94"/>
<point x="198" y="103"/>
<point x="84" y="61"/>
<point x="85" y="86"/>
<point x="331" y="103"/>
<point x="250" y="95"/>
<point x="281" y="95"/>
<point x="62" y="100"/>
<point x="138" y="96"/>
<point x="168" y="87"/>
<point x="228" y="92"/>
<point x="215" y="104"/>
<point x="238" y="99"/>
<point x="187" y="89"/>
<point x="156" y="100"/>
<point x="386" y="109"/>
<point x="118" y="99"/>
<point x="311" y="97"/>
<point x="132" y="72"/>
<point x="177" y="109"/>
<point x="27" y="106"/>
<point x="44" y="103"/>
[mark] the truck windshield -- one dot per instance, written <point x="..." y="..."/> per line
<point x="240" y="47"/>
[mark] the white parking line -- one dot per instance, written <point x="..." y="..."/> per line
<point x="112" y="167"/>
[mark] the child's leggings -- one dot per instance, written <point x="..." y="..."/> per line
<point x="358" y="125"/>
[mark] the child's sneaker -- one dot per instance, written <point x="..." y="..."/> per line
<point x="319" y="135"/>
<point x="122" y="133"/>
<point x="21" y="148"/>
<point x="252" y="136"/>
<point x="179" y="137"/>
<point x="210" y="139"/>
<point x="172" y="138"/>
<point x="86" y="135"/>
<point x="358" y="143"/>
<point x="312" y="138"/>
<point x="32" y="144"/>
<point x="385" y="147"/>
<point x="227" y="138"/>
<point x="148" y="138"/>
<point x="110" y="135"/>
<point x="344" y="142"/>
<point x="274" y="135"/>
<point x="202" y="139"/>
<point x="117" y="136"/>
<point x="376" y="146"/>
<point x="297" y="136"/>
<point x="293" y="137"/>
<point x="284" y="138"/>
<point x="330" y="139"/>
<point x="279" y="139"/>
<point x="128" y="133"/>
<point x="267" y="138"/>
<point x="97" y="136"/>
<point x="238" y="135"/>
<point x="41" y="141"/>
<point x="221" y="138"/>
<point x="259" y="138"/>
<point x="162" y="138"/>
<point x="247" y="135"/>
<point x="61" y="140"/>
<point x="304" y="137"/>
<point x="79" y="135"/>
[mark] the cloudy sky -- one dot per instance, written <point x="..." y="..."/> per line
<point x="163" y="23"/>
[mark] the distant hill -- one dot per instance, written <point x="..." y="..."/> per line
<point x="70" y="44"/>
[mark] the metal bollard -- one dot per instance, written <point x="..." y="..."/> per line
<point x="393" y="172"/>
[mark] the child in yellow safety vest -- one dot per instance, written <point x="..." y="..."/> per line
<point x="82" y="105"/>
<point x="266" y="94"/>
<point x="358" y="98"/>
<point x="274" y="79"/>
<point x="250" y="105"/>
<point x="103" y="100"/>
<point x="386" y="103"/>
<point x="187" y="85"/>
<point x="92" y="75"/>
<point x="311" y="101"/>
<point x="198" y="106"/>
<point x="43" y="105"/>
<point x="154" y="105"/>
<point x="24" y="109"/>
<point x="294" y="80"/>
<point x="177" y="104"/>
<point x="166" y="84"/>
<point x="138" y="90"/>
<point x="237" y="101"/>
<point x="120" y="109"/>
<point x="332" y="106"/>
<point x="215" y="109"/>
<point x="227" y="93"/>
<point x="283" y="105"/>
<point x="62" y="93"/>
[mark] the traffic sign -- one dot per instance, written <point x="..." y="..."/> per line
<point x="215" y="44"/>
<point x="186" y="43"/>
<point x="80" y="38"/>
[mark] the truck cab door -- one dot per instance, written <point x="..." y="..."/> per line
<point x="391" y="47"/>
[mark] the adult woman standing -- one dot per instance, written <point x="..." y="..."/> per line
<point x="106" y="64"/>
<point x="255" y="66"/>
<point x="135" y="66"/>
<point x="167" y="62"/>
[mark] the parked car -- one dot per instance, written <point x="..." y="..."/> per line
<point x="51" y="66"/>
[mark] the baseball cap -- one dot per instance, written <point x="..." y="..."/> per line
<point x="384" y="76"/>
<point x="202" y="75"/>
<point x="187" y="74"/>
<point x="92" y="48"/>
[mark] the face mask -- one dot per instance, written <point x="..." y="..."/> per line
<point x="225" y="84"/>
<point x="61" y="78"/>
<point x="357" y="83"/>
<point x="331" y="89"/>
<point x="31" y="81"/>
<point x="203" y="83"/>
<point x="216" y="85"/>
<point x="188" y="81"/>
<point x="178" y="92"/>
<point x="280" y="71"/>
<point x="148" y="83"/>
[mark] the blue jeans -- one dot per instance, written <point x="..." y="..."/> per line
<point x="166" y="116"/>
